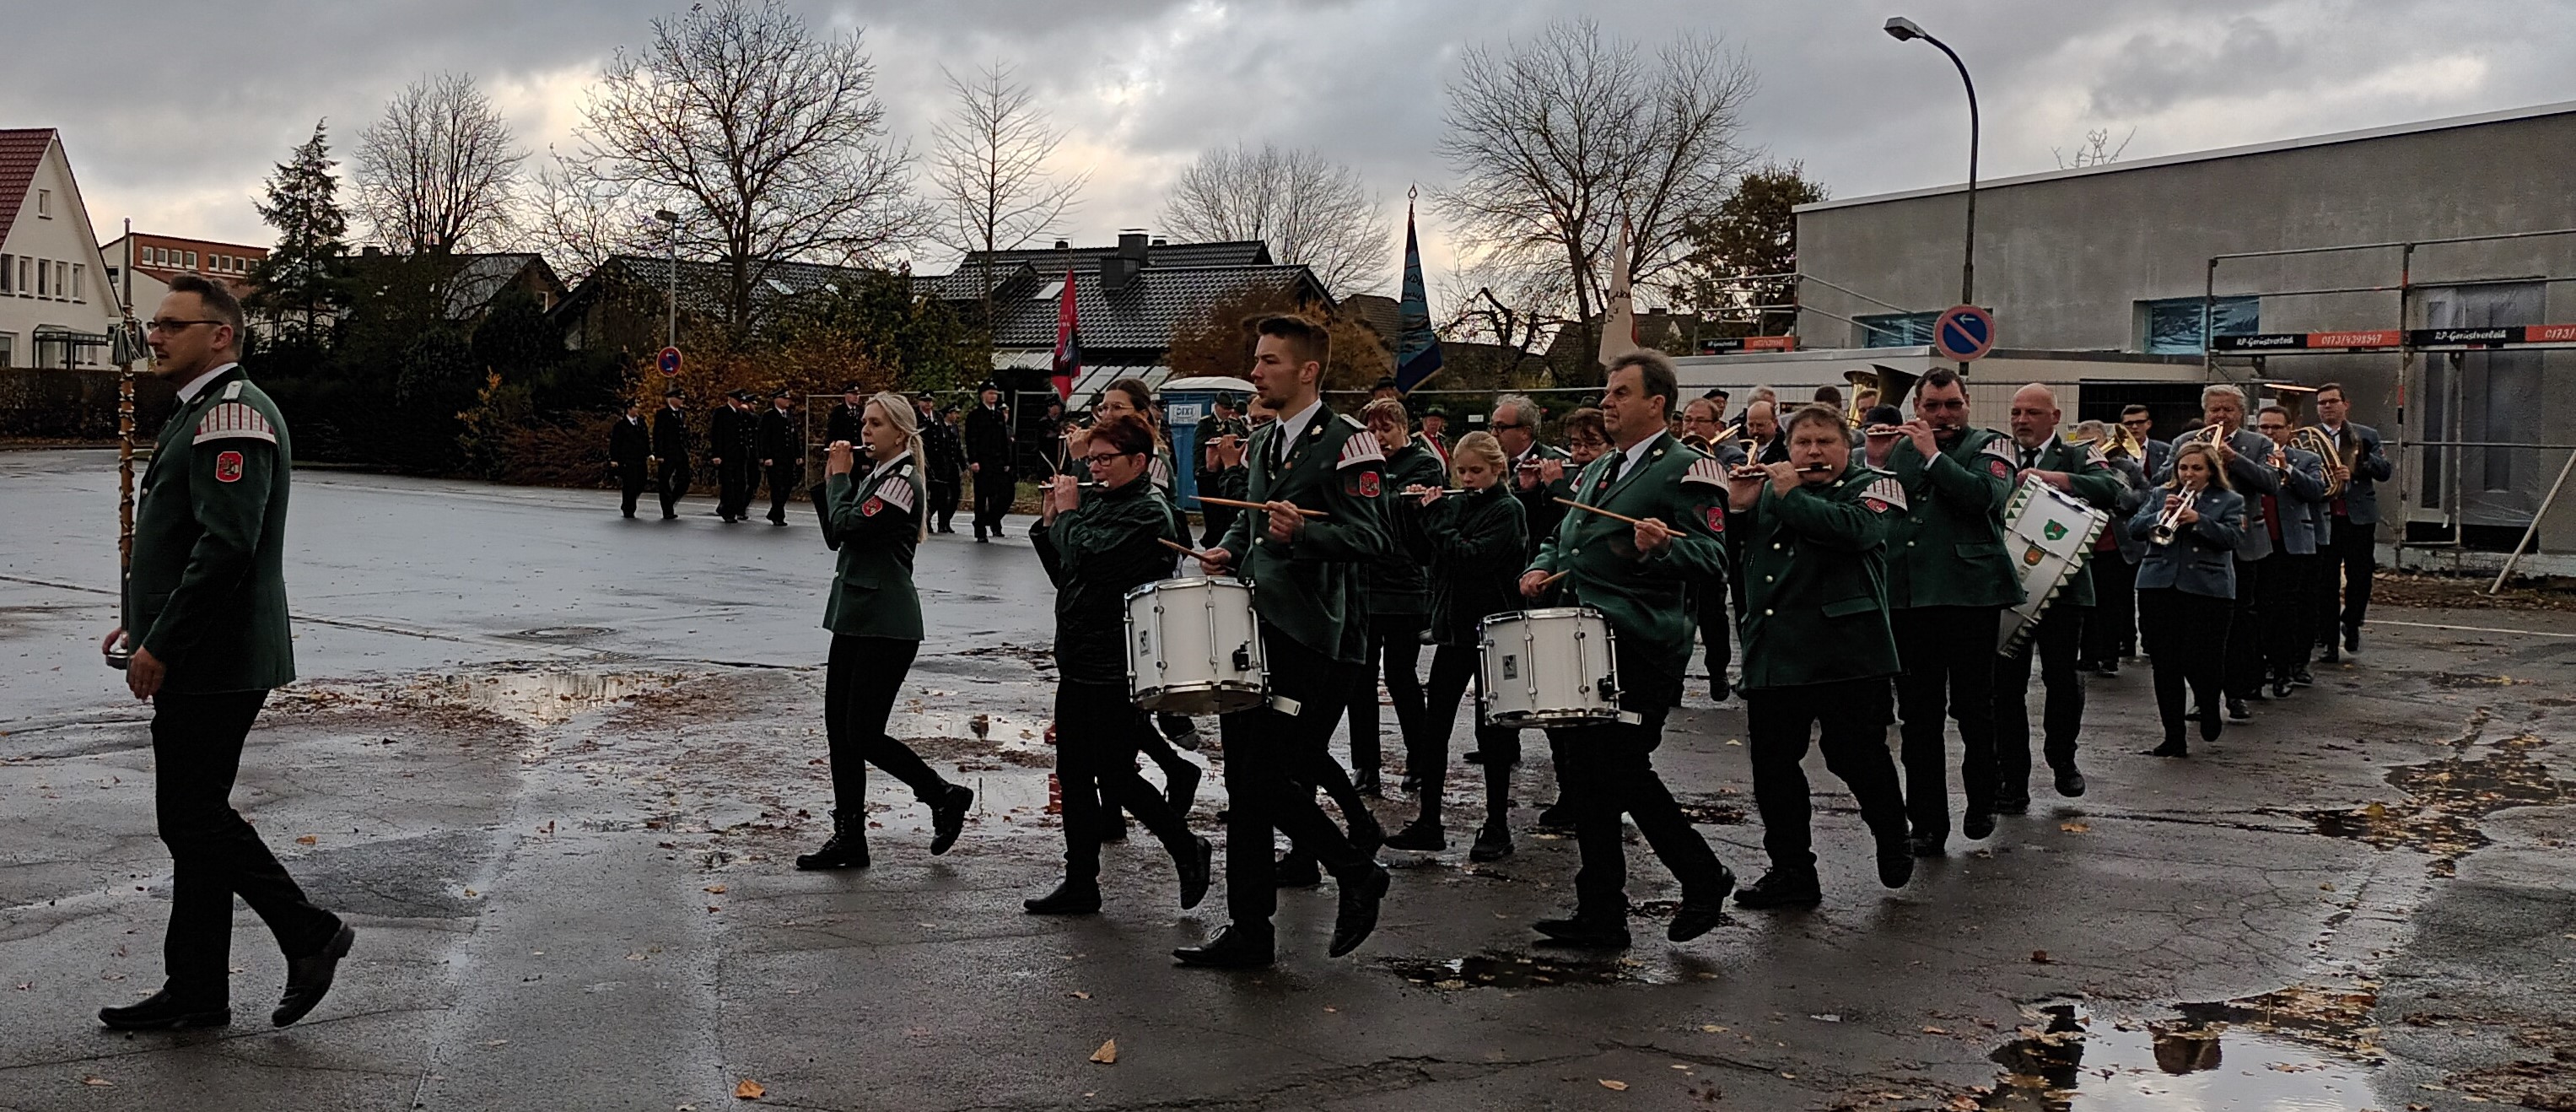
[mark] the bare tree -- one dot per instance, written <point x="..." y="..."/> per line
<point x="576" y="220"/>
<point x="988" y="168"/>
<point x="768" y="141"/>
<point x="1556" y="140"/>
<point x="2096" y="151"/>
<point x="1311" y="210"/>
<point x="436" y="172"/>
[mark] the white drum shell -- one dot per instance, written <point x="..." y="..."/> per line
<point x="1549" y="667"/>
<point x="1194" y="646"/>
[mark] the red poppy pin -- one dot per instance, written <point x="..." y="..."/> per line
<point x="228" y="467"/>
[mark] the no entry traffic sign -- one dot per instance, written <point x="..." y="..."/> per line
<point x="1963" y="332"/>
<point x="670" y="361"/>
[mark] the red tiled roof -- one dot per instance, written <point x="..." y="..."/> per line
<point x="22" y="150"/>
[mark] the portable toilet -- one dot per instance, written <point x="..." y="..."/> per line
<point x="1185" y="402"/>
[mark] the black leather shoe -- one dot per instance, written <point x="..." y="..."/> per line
<point x="1195" y="869"/>
<point x="2280" y="689"/>
<point x="2303" y="678"/>
<point x="846" y="849"/>
<point x="1493" y="843"/>
<point x="1366" y="835"/>
<point x="1362" y="893"/>
<point x="1895" y="862"/>
<point x="1781" y="888"/>
<point x="1071" y="897"/>
<point x="1928" y="845"/>
<point x="1296" y="871"/>
<point x="1232" y="948"/>
<point x="1978" y="825"/>
<point x="164" y="1012"/>
<point x="2070" y="783"/>
<point x="2174" y="748"/>
<point x="2236" y="710"/>
<point x="1557" y="817"/>
<point x="2016" y="802"/>
<point x="1365" y="782"/>
<point x="1422" y="836"/>
<point x="1113" y="827"/>
<point x="1583" y="932"/>
<point x="308" y="978"/>
<point x="948" y="817"/>
<point x="1181" y="788"/>
<point x="2352" y="638"/>
<point x="1694" y="920"/>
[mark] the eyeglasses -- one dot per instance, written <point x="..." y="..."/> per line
<point x="1097" y="458"/>
<point x="1586" y="442"/>
<point x="2137" y="422"/>
<point x="1939" y="404"/>
<point x="165" y="324"/>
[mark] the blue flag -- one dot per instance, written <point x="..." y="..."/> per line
<point x="1417" y="348"/>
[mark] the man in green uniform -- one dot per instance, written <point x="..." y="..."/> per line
<point x="1310" y="587"/>
<point x="204" y="612"/>
<point x="1949" y="581"/>
<point x="2081" y="471"/>
<point x="1636" y="575"/>
<point x="1811" y="535"/>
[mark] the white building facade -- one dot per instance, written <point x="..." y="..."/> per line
<point x="56" y="305"/>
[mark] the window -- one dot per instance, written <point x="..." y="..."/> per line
<point x="2171" y="326"/>
<point x="63" y="281"/>
<point x="44" y="278"/>
<point x="1887" y="330"/>
<point x="192" y="260"/>
<point x="79" y="283"/>
<point x="23" y="289"/>
<point x="45" y="203"/>
<point x="8" y="276"/>
<point x="8" y="349"/>
<point x="156" y="256"/>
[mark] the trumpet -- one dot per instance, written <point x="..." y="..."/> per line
<point x="2169" y="523"/>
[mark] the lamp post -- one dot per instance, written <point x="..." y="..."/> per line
<point x="671" y="220"/>
<point x="1902" y="29"/>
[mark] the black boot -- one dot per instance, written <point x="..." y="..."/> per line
<point x="1784" y="888"/>
<point x="847" y="848"/>
<point x="308" y="978"/>
<point x="1362" y="892"/>
<point x="948" y="817"/>
<point x="1072" y="897"/>
<point x="1493" y="842"/>
<point x="1195" y="866"/>
<point x="1424" y="835"/>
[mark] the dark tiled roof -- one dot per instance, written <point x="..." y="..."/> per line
<point x="702" y="285"/>
<point x="472" y="280"/>
<point x="1380" y="313"/>
<point x="22" y="150"/>
<point x="1143" y="314"/>
<point x="1050" y="262"/>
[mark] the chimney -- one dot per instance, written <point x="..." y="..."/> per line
<point x="1121" y="268"/>
<point x="1063" y="245"/>
<point x="1161" y="242"/>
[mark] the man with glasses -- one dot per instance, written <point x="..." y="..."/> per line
<point x="2351" y="548"/>
<point x="1708" y="594"/>
<point x="204" y="615"/>
<point x="2297" y="518"/>
<point x="2142" y="425"/>
<point x="1949" y="580"/>
<point x="1538" y="470"/>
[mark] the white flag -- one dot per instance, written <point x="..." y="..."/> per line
<point x="1619" y="315"/>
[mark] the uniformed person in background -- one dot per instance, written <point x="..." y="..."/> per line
<point x="724" y="440"/>
<point x="1636" y="576"/>
<point x="2297" y="517"/>
<point x="1949" y="582"/>
<point x="1762" y="428"/>
<point x="1700" y="426"/>
<point x="2080" y="471"/>
<point x="1225" y="418"/>
<point x="629" y="446"/>
<point x="990" y="458"/>
<point x="204" y="616"/>
<point x="1818" y="647"/>
<point x="1310" y="588"/>
<point x="782" y="454"/>
<point x="2352" y="543"/>
<point x="947" y="462"/>
<point x="843" y="422"/>
<point x="1539" y="475"/>
<point x="1399" y="607"/>
<point x="1435" y="433"/>
<point x="671" y="444"/>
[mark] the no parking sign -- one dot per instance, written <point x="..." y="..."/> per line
<point x="1963" y="332"/>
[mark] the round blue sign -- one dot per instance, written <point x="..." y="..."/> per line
<point x="1963" y="332"/>
<point x="670" y="362"/>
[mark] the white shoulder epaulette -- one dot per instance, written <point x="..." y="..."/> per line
<point x="896" y="490"/>
<point x="1705" y="470"/>
<point x="1886" y="490"/>
<point x="231" y="420"/>
<point x="1362" y="447"/>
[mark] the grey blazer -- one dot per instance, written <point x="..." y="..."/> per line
<point x="2251" y="476"/>
<point x="2159" y="456"/>
<point x="2200" y="559"/>
<point x="2138" y="494"/>
<point x="2302" y="503"/>
<point x="2372" y="467"/>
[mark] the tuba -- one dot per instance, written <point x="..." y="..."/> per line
<point x="1892" y="386"/>
<point x="2309" y="438"/>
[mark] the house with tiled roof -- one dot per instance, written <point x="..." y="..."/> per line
<point x="465" y="284"/>
<point x="56" y="307"/>
<point x="626" y="301"/>
<point x="156" y="259"/>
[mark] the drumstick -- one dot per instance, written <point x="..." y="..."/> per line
<point x="1605" y="513"/>
<point x="1240" y="504"/>
<point x="1183" y="549"/>
<point x="1553" y="578"/>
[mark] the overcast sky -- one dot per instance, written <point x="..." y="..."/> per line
<point x="174" y="112"/>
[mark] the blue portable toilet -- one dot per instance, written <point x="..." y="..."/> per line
<point x="1185" y="402"/>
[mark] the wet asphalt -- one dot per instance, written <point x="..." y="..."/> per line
<point x="553" y="765"/>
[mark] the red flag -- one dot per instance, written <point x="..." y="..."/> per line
<point x="1068" y="343"/>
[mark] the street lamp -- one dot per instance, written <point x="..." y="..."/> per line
<point x="672" y="221"/>
<point x="1902" y="29"/>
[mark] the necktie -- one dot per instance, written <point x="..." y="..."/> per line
<point x="2029" y="458"/>
<point x="1617" y="460"/>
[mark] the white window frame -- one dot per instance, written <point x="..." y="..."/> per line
<point x="44" y="204"/>
<point x="80" y="279"/>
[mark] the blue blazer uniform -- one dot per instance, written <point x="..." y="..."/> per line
<point x="2200" y="559"/>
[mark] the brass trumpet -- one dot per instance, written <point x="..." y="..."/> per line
<point x="2169" y="523"/>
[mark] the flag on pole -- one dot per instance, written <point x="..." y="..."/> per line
<point x="1068" y="343"/>
<point x="1417" y="347"/>
<point x="1619" y="314"/>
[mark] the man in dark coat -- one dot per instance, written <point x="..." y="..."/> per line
<point x="724" y="441"/>
<point x="629" y="445"/>
<point x="843" y="422"/>
<point x="988" y="457"/>
<point x="671" y="443"/>
<point x="946" y="465"/>
<point x="782" y="455"/>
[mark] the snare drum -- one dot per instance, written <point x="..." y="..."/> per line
<point x="1194" y="647"/>
<point x="1547" y="667"/>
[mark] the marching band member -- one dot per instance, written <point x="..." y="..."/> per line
<point x="1473" y="544"/>
<point x="1635" y="575"/>
<point x="2296" y="516"/>
<point x="1096" y="548"/>
<point x="1949" y="581"/>
<point x="1538" y="468"/>
<point x="2111" y="630"/>
<point x="2352" y="544"/>
<point x="1399" y="607"/>
<point x="1309" y="586"/>
<point x="1131" y="397"/>
<point x="1818" y="650"/>
<point x="875" y="618"/>
<point x="2187" y="587"/>
<point x="2242" y="453"/>
<point x="1702" y="419"/>
<point x="2079" y="470"/>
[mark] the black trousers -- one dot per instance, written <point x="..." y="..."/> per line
<point x="2290" y="633"/>
<point x="860" y="682"/>
<point x="1271" y="771"/>
<point x="214" y="854"/>
<point x="1714" y="636"/>
<point x="2185" y="636"/>
<point x="730" y="495"/>
<point x="631" y="481"/>
<point x="1214" y="521"/>
<point x="1395" y="640"/>
<point x="1608" y="771"/>
<point x="993" y="490"/>
<point x="2244" y="652"/>
<point x="1426" y="751"/>
<point x="1096" y="733"/>
<point x="675" y="485"/>
<point x="2351" y="556"/>
<point x="1949" y="658"/>
<point x="2111" y="629"/>
<point x="1853" y="715"/>
<point x="943" y="504"/>
<point x="783" y="485"/>
<point x="2055" y="643"/>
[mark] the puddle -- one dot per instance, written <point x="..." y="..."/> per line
<point x="2068" y="1061"/>
<point x="2446" y="800"/>
<point x="542" y="698"/>
<point x="2462" y="681"/>
<point x="1508" y="970"/>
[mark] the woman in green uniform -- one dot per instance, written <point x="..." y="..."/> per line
<point x="875" y="618"/>
<point x="1474" y="543"/>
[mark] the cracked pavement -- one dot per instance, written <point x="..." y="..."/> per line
<point x="553" y="764"/>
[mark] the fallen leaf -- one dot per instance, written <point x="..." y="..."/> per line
<point x="748" y="1090"/>
<point x="718" y="889"/>
<point x="1107" y="1055"/>
<point x="2076" y="827"/>
<point x="1935" y="1031"/>
<point x="306" y="840"/>
<point x="2039" y="957"/>
<point x="1711" y="1028"/>
<point x="98" y="1082"/>
<point x="1614" y="1086"/>
<point x="1080" y="995"/>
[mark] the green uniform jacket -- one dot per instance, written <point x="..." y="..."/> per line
<point x="206" y="594"/>
<point x="1397" y="584"/>
<point x="1314" y="589"/>
<point x="1950" y="549"/>
<point x="1643" y="597"/>
<point x="1815" y="580"/>
<point x="1474" y="545"/>
<point x="875" y="521"/>
<point x="1095" y="554"/>
<point x="2094" y="483"/>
